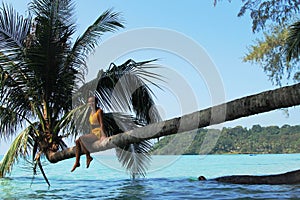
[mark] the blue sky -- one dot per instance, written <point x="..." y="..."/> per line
<point x="223" y="36"/>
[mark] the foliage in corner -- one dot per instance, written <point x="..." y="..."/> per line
<point x="40" y="69"/>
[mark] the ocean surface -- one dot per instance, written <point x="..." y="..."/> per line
<point x="170" y="177"/>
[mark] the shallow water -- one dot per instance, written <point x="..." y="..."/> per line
<point x="170" y="177"/>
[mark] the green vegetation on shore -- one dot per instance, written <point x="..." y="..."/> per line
<point x="256" y="140"/>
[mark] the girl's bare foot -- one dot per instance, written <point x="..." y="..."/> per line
<point x="88" y="161"/>
<point x="75" y="166"/>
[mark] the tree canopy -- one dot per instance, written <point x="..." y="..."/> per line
<point x="267" y="12"/>
<point x="277" y="49"/>
<point x="41" y="69"/>
<point x="236" y="140"/>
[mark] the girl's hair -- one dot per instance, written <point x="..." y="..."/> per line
<point x="97" y="103"/>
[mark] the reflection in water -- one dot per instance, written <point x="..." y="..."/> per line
<point x="7" y="187"/>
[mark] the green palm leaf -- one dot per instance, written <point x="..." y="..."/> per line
<point x="109" y="21"/>
<point x="123" y="89"/>
<point x="74" y="122"/>
<point x="293" y="42"/>
<point x="135" y="158"/>
<point x="13" y="28"/>
<point x="47" y="56"/>
<point x="19" y="147"/>
<point x="9" y="122"/>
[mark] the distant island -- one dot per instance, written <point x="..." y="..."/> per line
<point x="237" y="140"/>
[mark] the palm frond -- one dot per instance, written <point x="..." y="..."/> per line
<point x="10" y="121"/>
<point x="124" y="89"/>
<point x="293" y="42"/>
<point x="43" y="172"/>
<point x="108" y="21"/>
<point x="133" y="157"/>
<point x="61" y="10"/>
<point x="19" y="99"/>
<point x="14" y="28"/>
<point x="19" y="147"/>
<point x="74" y="122"/>
<point x="17" y="79"/>
<point x="86" y="90"/>
<point x="47" y="56"/>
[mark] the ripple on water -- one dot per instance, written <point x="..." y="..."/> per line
<point x="99" y="182"/>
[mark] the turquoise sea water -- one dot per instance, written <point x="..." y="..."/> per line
<point x="170" y="177"/>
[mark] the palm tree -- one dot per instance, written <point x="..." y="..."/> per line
<point x="41" y="67"/>
<point x="293" y="41"/>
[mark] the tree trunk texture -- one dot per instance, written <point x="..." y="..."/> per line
<point x="250" y="105"/>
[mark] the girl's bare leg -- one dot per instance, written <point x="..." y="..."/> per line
<point x="88" y="156"/>
<point x="77" y="153"/>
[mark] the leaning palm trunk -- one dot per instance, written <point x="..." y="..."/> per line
<point x="243" y="107"/>
<point x="263" y="102"/>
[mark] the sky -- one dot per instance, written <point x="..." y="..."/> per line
<point x="199" y="47"/>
